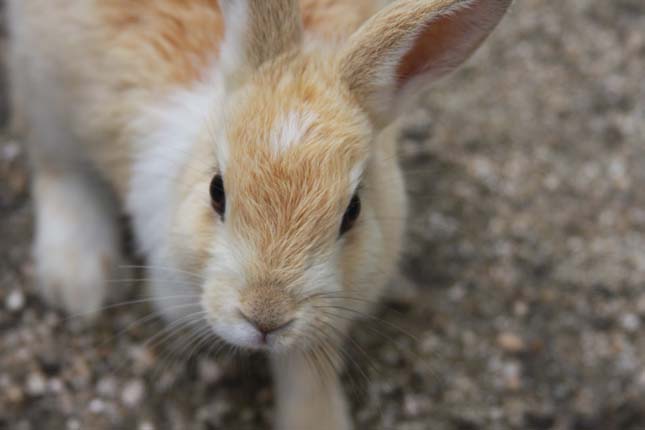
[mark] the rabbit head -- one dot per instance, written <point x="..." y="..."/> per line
<point x="297" y="224"/>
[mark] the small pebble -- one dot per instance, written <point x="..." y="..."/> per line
<point x="511" y="343"/>
<point x="520" y="309"/>
<point x="36" y="384"/>
<point x="456" y="293"/>
<point x="146" y="425"/>
<point x="512" y="376"/>
<point x="15" y="301"/>
<point x="209" y="371"/>
<point x="630" y="322"/>
<point x="73" y="424"/>
<point x="132" y="393"/>
<point x="413" y="405"/>
<point x="14" y="394"/>
<point x="106" y="387"/>
<point x="143" y="358"/>
<point x="55" y="385"/>
<point x="97" y="406"/>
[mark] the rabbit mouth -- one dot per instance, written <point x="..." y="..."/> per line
<point x="252" y="335"/>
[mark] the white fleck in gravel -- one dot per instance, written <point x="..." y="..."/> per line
<point x="36" y="384"/>
<point x="15" y="301"/>
<point x="456" y="293"/>
<point x="146" y="425"/>
<point x="413" y="405"/>
<point x="73" y="424"/>
<point x="520" y="309"/>
<point x="209" y="371"/>
<point x="97" y="406"/>
<point x="630" y="322"/>
<point x="512" y="375"/>
<point x="132" y="393"/>
<point x="55" y="385"/>
<point x="106" y="387"/>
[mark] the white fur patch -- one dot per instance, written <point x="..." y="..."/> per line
<point x="167" y="134"/>
<point x="355" y="175"/>
<point x="323" y="275"/>
<point x="228" y="260"/>
<point x="291" y="129"/>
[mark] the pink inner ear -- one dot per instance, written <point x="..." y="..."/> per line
<point x="445" y="43"/>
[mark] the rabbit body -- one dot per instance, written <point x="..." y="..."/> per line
<point x="246" y="141"/>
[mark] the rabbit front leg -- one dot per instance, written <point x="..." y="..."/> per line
<point x="304" y="400"/>
<point x="77" y="238"/>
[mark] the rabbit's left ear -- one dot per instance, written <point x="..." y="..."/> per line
<point x="410" y="44"/>
<point x="257" y="31"/>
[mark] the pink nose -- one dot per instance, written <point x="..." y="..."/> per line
<point x="266" y="326"/>
<point x="266" y="307"/>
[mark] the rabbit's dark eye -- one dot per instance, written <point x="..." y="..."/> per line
<point x="218" y="197"/>
<point x="351" y="214"/>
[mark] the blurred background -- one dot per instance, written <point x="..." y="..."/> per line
<point x="521" y="302"/>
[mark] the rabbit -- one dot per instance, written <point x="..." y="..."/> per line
<point x="248" y="141"/>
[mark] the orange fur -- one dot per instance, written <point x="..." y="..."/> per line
<point x="178" y="39"/>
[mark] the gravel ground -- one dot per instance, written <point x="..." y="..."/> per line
<point x="524" y="267"/>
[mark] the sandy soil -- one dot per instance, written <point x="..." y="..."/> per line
<point x="524" y="264"/>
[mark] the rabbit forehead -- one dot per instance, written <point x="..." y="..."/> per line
<point x="294" y="115"/>
<point x="288" y="207"/>
<point x="287" y="198"/>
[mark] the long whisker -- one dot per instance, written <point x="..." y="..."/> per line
<point x="148" y="317"/>
<point x="384" y="335"/>
<point x="180" y="324"/>
<point x="170" y="330"/>
<point x="151" y="299"/>
<point x="163" y="268"/>
<point x="339" y="342"/>
<point x="352" y="341"/>
<point x="368" y="316"/>
<point x="173" y="356"/>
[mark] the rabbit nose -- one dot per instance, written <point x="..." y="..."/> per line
<point x="267" y="308"/>
<point x="266" y="326"/>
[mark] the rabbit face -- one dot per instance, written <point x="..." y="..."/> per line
<point x="289" y="223"/>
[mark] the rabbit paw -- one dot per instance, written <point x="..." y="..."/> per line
<point x="77" y="244"/>
<point x="72" y="278"/>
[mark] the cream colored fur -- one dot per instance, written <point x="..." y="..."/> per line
<point x="138" y="105"/>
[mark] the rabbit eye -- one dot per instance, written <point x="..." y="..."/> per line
<point x="351" y="214"/>
<point x="218" y="197"/>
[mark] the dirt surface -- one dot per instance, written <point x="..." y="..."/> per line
<point x="526" y="252"/>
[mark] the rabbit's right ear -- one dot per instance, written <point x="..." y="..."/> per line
<point x="257" y="31"/>
<point x="410" y="44"/>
